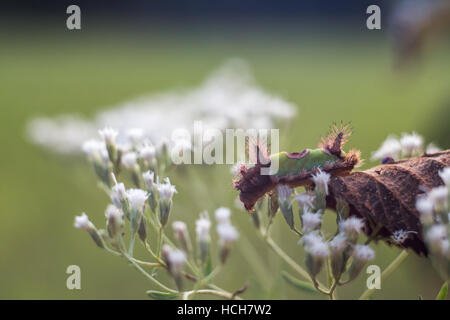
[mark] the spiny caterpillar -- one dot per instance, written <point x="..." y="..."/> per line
<point x="296" y="169"/>
<point x="385" y="195"/>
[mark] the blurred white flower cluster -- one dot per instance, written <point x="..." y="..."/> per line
<point x="341" y="248"/>
<point x="435" y="216"/>
<point x="148" y="204"/>
<point x="408" y="145"/>
<point x="228" y="98"/>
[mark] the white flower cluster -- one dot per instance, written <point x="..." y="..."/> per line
<point x="226" y="232"/>
<point x="434" y="212"/>
<point x="408" y="145"/>
<point x="227" y="99"/>
<point x="343" y="246"/>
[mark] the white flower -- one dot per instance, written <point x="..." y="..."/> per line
<point x="284" y="192"/>
<point x="114" y="218"/>
<point x="82" y="222"/>
<point x="351" y="226"/>
<point x="166" y="190"/>
<point x="109" y="135"/>
<point x="304" y="200"/>
<point x="182" y="235"/>
<point x="129" y="160"/>
<point x="136" y="198"/>
<point x="391" y="147"/>
<point x="147" y="152"/>
<point x="438" y="196"/>
<point x="135" y="135"/>
<point x="424" y="205"/>
<point x="179" y="226"/>
<point x="223" y="215"/>
<point x="176" y="258"/>
<point x="363" y="253"/>
<point x="149" y="177"/>
<point x="315" y="245"/>
<point x="432" y="148"/>
<point x="227" y="232"/>
<point x="411" y="143"/>
<point x="311" y="221"/>
<point x="95" y="149"/>
<point x="321" y="180"/>
<point x="399" y="236"/>
<point x="445" y="176"/>
<point x="118" y="193"/>
<point x="112" y="212"/>
<point x="202" y="226"/>
<point x="228" y="98"/>
<point x="436" y="236"/>
<point x="338" y="243"/>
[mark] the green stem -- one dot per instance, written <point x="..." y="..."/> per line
<point x="283" y="255"/>
<point x="386" y="273"/>
<point x="160" y="241"/>
<point x="148" y="276"/>
<point x="130" y="249"/>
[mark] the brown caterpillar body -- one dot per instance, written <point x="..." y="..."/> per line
<point x="253" y="185"/>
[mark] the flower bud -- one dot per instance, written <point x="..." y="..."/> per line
<point x="227" y="234"/>
<point x="109" y="136"/>
<point x="149" y="179"/>
<point x="82" y="222"/>
<point x="182" y="235"/>
<point x="351" y="227"/>
<point x="98" y="156"/>
<point x="321" y="180"/>
<point x="119" y="195"/>
<point x="316" y="252"/>
<point x="202" y="226"/>
<point x="361" y="254"/>
<point x="305" y="201"/>
<point x="142" y="230"/>
<point x="166" y="192"/>
<point x="136" y="201"/>
<point x="222" y="215"/>
<point x="338" y="258"/>
<point x="425" y="207"/>
<point x="311" y="221"/>
<point x="114" y="221"/>
<point x="411" y="144"/>
<point x="284" y="194"/>
<point x="148" y="156"/>
<point x="175" y="260"/>
<point x="439" y="197"/>
<point x="129" y="161"/>
<point x="436" y="237"/>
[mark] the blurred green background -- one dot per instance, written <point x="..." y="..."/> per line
<point x="331" y="74"/>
